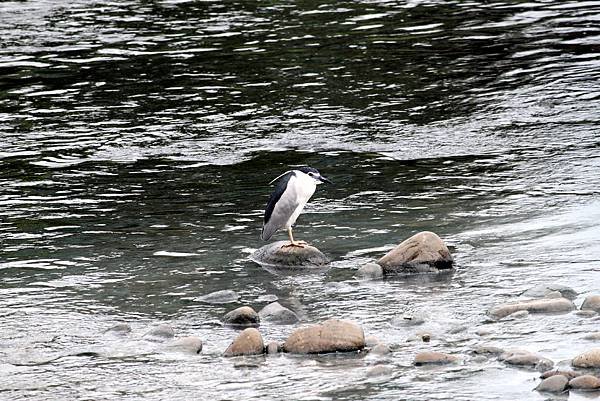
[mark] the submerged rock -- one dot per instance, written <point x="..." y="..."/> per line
<point x="276" y="313"/>
<point x="379" y="370"/>
<point x="280" y="254"/>
<point x="588" y="359"/>
<point x="432" y="357"/>
<point x="591" y="302"/>
<point x="585" y="382"/>
<point x="248" y="342"/>
<point x="488" y="350"/>
<point x="416" y="254"/>
<point x="119" y="329"/>
<point x="242" y="317"/>
<point x="160" y="332"/>
<point x="592" y="336"/>
<point x="569" y="374"/>
<point x="380" y="349"/>
<point x="526" y="358"/>
<point x="370" y="271"/>
<point x="272" y="348"/>
<point x="547" y="290"/>
<point x="553" y="305"/>
<point x="331" y="336"/>
<point x="371" y="341"/>
<point x="553" y="384"/>
<point x="219" y="297"/>
<point x="191" y="344"/>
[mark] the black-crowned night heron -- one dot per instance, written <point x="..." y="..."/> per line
<point x="293" y="190"/>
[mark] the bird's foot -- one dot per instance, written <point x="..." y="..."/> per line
<point x="298" y="244"/>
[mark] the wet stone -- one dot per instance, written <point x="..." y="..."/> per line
<point x="553" y="384"/>
<point x="585" y="382"/>
<point x="243" y="316"/>
<point x="569" y="374"/>
<point x="593" y="336"/>
<point x="379" y="370"/>
<point x="586" y="313"/>
<point x="488" y="350"/>
<point x="544" y="290"/>
<point x="190" y="344"/>
<point x="416" y="253"/>
<point x="121" y="329"/>
<point x="272" y="348"/>
<point x="219" y="297"/>
<point x="160" y="333"/>
<point x="545" y="305"/>
<point x="280" y="255"/>
<point x="276" y="313"/>
<point x="371" y="341"/>
<point x="526" y="358"/>
<point x="331" y="336"/>
<point x="369" y="271"/>
<point x="380" y="349"/>
<point x="591" y="302"/>
<point x="432" y="357"/>
<point x="248" y="342"/>
<point x="408" y="319"/>
<point x="588" y="359"/>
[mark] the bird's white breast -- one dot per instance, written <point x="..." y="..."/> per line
<point x="301" y="187"/>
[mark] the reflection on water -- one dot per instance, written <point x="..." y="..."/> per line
<point x="138" y="140"/>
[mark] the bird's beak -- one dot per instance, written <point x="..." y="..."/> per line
<point x="324" y="179"/>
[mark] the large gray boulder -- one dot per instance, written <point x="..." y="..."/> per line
<point x="280" y="254"/>
<point x="423" y="252"/>
<point x="333" y="335"/>
<point x="248" y="342"/>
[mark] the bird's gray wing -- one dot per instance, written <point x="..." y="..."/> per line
<point x="279" y="207"/>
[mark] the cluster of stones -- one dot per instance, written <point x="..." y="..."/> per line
<point x="424" y="252"/>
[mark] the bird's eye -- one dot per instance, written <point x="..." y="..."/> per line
<point x="311" y="174"/>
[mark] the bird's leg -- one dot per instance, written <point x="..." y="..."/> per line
<point x="292" y="242"/>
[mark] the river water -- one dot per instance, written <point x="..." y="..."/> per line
<point x="138" y="140"/>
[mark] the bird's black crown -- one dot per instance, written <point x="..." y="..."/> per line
<point x="307" y="169"/>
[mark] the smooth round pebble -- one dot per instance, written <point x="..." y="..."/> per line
<point x="432" y="357"/>
<point x="585" y="382"/>
<point x="191" y="344"/>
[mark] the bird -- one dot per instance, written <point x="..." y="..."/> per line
<point x="294" y="189"/>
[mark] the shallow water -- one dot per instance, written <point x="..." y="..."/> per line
<point x="138" y="140"/>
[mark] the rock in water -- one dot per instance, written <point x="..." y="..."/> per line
<point x="248" y="342"/>
<point x="591" y="302"/>
<point x="589" y="359"/>
<point x="419" y="253"/>
<point x="431" y="357"/>
<point x="160" y="332"/>
<point x="120" y="329"/>
<point x="544" y="290"/>
<point x="370" y="271"/>
<point x="279" y="255"/>
<point x="585" y="382"/>
<point x="187" y="344"/>
<point x="545" y="305"/>
<point x="553" y="384"/>
<point x="219" y="297"/>
<point x="522" y="357"/>
<point x="276" y="313"/>
<point x="243" y="316"/>
<point x="331" y="336"/>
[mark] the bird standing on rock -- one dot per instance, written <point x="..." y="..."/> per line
<point x="293" y="190"/>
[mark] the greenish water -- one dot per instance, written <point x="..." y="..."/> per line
<point x="137" y="141"/>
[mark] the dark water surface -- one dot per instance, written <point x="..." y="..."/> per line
<point x="138" y="138"/>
